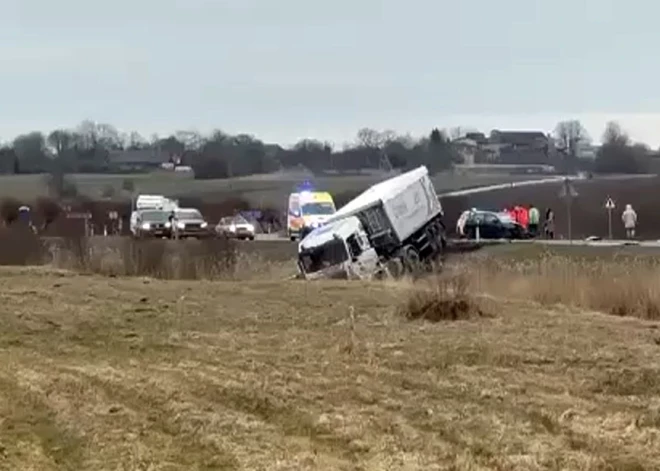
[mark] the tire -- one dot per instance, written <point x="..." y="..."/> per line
<point x="251" y="238"/>
<point x="395" y="267"/>
<point x="411" y="260"/>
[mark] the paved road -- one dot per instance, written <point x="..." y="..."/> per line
<point x="555" y="242"/>
<point x="596" y="243"/>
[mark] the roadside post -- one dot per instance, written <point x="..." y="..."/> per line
<point x="567" y="193"/>
<point x="609" y="205"/>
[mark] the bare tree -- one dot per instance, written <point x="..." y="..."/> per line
<point x="192" y="140"/>
<point x="569" y="135"/>
<point x="615" y="136"/>
<point x="369" y="138"/>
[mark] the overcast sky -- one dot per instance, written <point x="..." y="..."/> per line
<point x="289" y="69"/>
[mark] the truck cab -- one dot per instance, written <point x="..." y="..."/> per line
<point x="394" y="227"/>
<point x="340" y="250"/>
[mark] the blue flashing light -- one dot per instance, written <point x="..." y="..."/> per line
<point x="305" y="186"/>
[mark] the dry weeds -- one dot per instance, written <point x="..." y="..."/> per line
<point x="206" y="259"/>
<point x="127" y="373"/>
<point x="442" y="298"/>
<point x="624" y="287"/>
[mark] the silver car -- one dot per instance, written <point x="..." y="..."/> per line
<point x="189" y="222"/>
<point x="235" y="227"/>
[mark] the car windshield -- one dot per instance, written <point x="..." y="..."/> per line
<point x="324" y="256"/>
<point x="238" y="220"/>
<point x="320" y="209"/>
<point x="189" y="214"/>
<point x="154" y="216"/>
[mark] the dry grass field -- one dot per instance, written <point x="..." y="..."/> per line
<point x="500" y="362"/>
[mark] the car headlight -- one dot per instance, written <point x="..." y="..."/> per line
<point x="232" y="228"/>
<point x="146" y="226"/>
<point x="168" y="224"/>
<point x="180" y="225"/>
<point x="250" y="228"/>
<point x="204" y="224"/>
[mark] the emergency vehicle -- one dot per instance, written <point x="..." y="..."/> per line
<point x="308" y="210"/>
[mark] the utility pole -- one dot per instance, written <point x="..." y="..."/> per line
<point x="568" y="192"/>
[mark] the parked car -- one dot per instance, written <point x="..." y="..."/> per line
<point x="493" y="225"/>
<point x="235" y="227"/>
<point x="190" y="223"/>
<point x="152" y="223"/>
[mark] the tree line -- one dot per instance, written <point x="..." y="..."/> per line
<point x="89" y="147"/>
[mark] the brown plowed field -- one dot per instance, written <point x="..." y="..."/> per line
<point x="589" y="216"/>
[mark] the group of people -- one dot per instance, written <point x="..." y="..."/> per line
<point x="530" y="218"/>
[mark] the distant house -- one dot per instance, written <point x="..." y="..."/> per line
<point x="138" y="159"/>
<point x="467" y="149"/>
<point x="519" y="147"/>
<point x="478" y="137"/>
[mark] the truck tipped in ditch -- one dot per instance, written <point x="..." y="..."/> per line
<point x="392" y="228"/>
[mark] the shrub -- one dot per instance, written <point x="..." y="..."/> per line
<point x="19" y="245"/>
<point x="128" y="185"/>
<point x="108" y="192"/>
<point x="9" y="210"/>
<point x="444" y="298"/>
<point x="61" y="187"/>
<point x="48" y="210"/>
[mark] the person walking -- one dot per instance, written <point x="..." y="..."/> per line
<point x="629" y="218"/>
<point x="549" y="224"/>
<point x="534" y="219"/>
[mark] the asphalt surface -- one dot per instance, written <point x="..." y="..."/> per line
<point x="555" y="242"/>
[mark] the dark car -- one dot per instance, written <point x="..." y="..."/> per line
<point x="152" y="223"/>
<point x="493" y="225"/>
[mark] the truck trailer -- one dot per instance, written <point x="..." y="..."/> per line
<point x="392" y="228"/>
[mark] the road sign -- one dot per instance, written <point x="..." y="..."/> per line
<point x="609" y="204"/>
<point x="78" y="215"/>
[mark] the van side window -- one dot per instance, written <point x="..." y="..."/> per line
<point x="295" y="207"/>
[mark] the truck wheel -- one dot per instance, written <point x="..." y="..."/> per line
<point x="411" y="260"/>
<point x="395" y="267"/>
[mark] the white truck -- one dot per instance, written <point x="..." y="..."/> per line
<point x="149" y="203"/>
<point x="391" y="228"/>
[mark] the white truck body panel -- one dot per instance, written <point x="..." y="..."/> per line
<point x="409" y="201"/>
<point x="159" y="202"/>
<point x="150" y="202"/>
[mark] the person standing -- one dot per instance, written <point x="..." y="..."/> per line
<point x="549" y="224"/>
<point x="629" y="218"/>
<point x="534" y="219"/>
